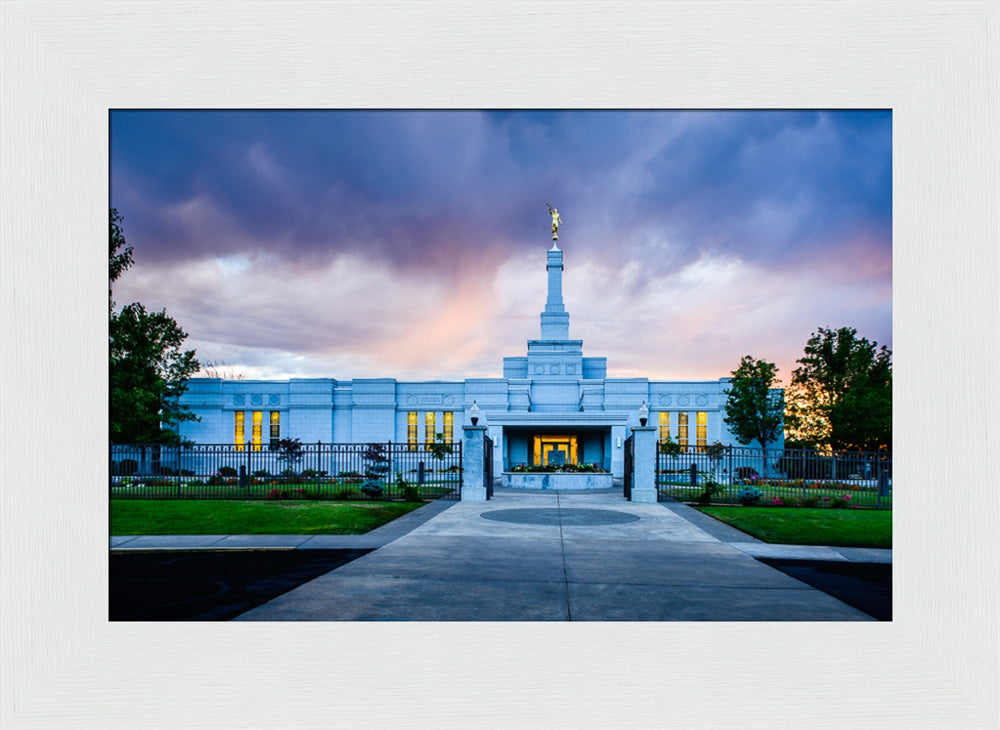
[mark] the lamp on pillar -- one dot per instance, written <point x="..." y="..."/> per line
<point x="474" y="413"/>
<point x="643" y="414"/>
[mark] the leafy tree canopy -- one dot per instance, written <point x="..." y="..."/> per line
<point x="148" y="368"/>
<point x="841" y="395"/>
<point x="754" y="408"/>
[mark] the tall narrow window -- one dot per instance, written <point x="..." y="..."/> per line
<point x="701" y="430"/>
<point x="664" y="425"/>
<point x="449" y="426"/>
<point x="238" y="438"/>
<point x="682" y="429"/>
<point x="258" y="417"/>
<point x="429" y="421"/>
<point x="411" y="430"/>
<point x="275" y="428"/>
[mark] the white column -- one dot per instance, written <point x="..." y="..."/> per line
<point x="473" y="464"/>
<point x="644" y="464"/>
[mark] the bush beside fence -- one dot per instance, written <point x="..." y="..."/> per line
<point x="382" y="470"/>
<point x="784" y="477"/>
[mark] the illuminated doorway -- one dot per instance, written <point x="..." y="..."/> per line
<point x="555" y="450"/>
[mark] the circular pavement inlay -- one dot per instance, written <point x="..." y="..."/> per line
<point x="555" y="516"/>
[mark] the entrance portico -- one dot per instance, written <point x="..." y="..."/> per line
<point x="535" y="439"/>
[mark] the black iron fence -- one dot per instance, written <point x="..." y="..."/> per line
<point x="381" y="470"/>
<point x="804" y="477"/>
<point x="629" y="467"/>
<point x="488" y="465"/>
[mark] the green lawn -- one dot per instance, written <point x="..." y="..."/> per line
<point x="217" y="517"/>
<point x="803" y="526"/>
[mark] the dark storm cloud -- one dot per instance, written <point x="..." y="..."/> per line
<point x="426" y="187"/>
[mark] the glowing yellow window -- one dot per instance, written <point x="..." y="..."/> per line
<point x="449" y="427"/>
<point x="258" y="417"/>
<point x="701" y="429"/>
<point x="411" y="430"/>
<point x="430" y="418"/>
<point x="682" y="429"/>
<point x="275" y="428"/>
<point x="555" y="450"/>
<point x="238" y="430"/>
<point x="664" y="425"/>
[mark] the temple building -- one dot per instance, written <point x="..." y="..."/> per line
<point x="551" y="405"/>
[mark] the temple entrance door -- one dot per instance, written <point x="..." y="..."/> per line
<point x="555" y="450"/>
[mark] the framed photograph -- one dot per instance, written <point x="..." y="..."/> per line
<point x="936" y="664"/>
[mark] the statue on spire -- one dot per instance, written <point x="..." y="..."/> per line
<point x="556" y="222"/>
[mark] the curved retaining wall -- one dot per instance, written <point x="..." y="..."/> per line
<point x="544" y="480"/>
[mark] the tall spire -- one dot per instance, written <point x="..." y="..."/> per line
<point x="555" y="318"/>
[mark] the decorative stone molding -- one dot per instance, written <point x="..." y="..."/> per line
<point x="257" y="399"/>
<point x="274" y="399"/>
<point x="701" y="400"/>
<point x="665" y="400"/>
<point x="683" y="400"/>
<point x="239" y="399"/>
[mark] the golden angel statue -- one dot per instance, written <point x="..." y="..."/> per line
<point x="556" y="222"/>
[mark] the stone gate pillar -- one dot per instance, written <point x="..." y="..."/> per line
<point x="474" y="464"/>
<point x="644" y="464"/>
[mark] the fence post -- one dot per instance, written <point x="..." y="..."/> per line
<point x="802" y="473"/>
<point x="644" y="464"/>
<point x="474" y="464"/>
<point x="694" y="474"/>
<point x="729" y="470"/>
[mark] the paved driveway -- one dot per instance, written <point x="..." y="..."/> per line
<point x="556" y="556"/>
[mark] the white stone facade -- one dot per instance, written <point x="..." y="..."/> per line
<point x="551" y="393"/>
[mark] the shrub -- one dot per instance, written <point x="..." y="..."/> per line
<point x="352" y="474"/>
<point x="127" y="467"/>
<point x="840" y="502"/>
<point x="709" y="490"/>
<point x="749" y="496"/>
<point x="372" y="489"/>
<point x="262" y="473"/>
<point x="784" y="502"/>
<point x="309" y="474"/>
<point x="670" y="448"/>
<point x="227" y="471"/>
<point x="408" y="491"/>
<point x="344" y="495"/>
<point x="810" y="502"/>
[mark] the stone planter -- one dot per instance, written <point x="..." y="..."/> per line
<point x="560" y="481"/>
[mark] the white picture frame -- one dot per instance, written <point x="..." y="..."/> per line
<point x="65" y="64"/>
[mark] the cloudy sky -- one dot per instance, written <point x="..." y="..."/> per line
<point x="412" y="244"/>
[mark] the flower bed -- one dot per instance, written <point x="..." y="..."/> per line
<point x="557" y="469"/>
<point x="560" y="480"/>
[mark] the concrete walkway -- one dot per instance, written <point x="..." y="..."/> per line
<point x="546" y="556"/>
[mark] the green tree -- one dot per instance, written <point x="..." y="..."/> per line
<point x="147" y="368"/>
<point x="754" y="408"/>
<point x="843" y="392"/>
